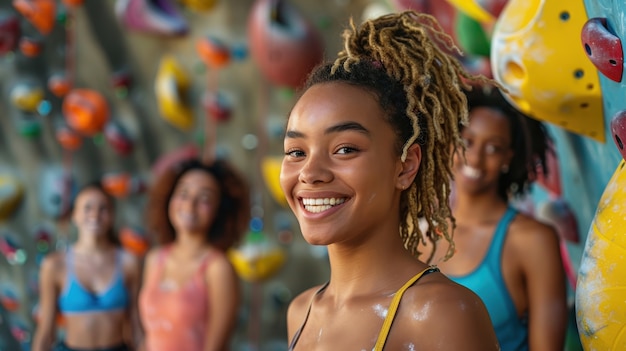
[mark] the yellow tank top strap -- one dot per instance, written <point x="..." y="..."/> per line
<point x="393" y="308"/>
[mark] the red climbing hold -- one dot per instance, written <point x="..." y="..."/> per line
<point x="603" y="48"/>
<point x="618" y="129"/>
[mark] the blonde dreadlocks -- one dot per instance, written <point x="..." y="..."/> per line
<point x="399" y="57"/>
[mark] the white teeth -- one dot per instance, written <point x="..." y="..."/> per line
<point x="317" y="209"/>
<point x="321" y="204"/>
<point x="471" y="172"/>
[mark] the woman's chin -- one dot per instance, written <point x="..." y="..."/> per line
<point x="190" y="231"/>
<point x="93" y="233"/>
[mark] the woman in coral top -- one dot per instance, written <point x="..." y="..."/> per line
<point x="190" y="294"/>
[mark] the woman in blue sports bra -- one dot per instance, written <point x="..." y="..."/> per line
<point x="367" y="153"/>
<point x="93" y="284"/>
<point x="510" y="260"/>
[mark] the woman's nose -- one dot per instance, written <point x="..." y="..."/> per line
<point x="473" y="156"/>
<point x="316" y="169"/>
<point x="188" y="202"/>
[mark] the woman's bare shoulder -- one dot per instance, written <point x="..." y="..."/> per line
<point x="439" y="292"/>
<point x="301" y="302"/>
<point x="298" y="308"/>
<point x="528" y="226"/>
<point x="526" y="231"/>
<point x="436" y="307"/>
<point x="53" y="261"/>
<point x="151" y="258"/>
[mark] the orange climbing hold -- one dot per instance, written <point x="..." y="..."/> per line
<point x="213" y="52"/>
<point x="41" y="13"/>
<point x="59" y="85"/>
<point x="86" y="111"/>
<point x="68" y="138"/>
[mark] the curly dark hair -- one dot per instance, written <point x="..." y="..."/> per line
<point x="529" y="142"/>
<point x="233" y="214"/>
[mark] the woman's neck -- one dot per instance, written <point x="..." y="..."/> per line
<point x="474" y="208"/>
<point x="376" y="268"/>
<point x="189" y="244"/>
<point x="92" y="243"/>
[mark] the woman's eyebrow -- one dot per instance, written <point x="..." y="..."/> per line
<point x="347" y="126"/>
<point x="341" y="127"/>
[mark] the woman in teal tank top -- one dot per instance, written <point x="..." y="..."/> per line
<point x="367" y="149"/>
<point x="509" y="259"/>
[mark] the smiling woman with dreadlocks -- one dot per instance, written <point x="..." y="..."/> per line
<point x="367" y="153"/>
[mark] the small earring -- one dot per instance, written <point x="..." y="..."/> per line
<point x="505" y="169"/>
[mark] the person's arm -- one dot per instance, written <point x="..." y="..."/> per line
<point x="133" y="330"/>
<point x="546" y="287"/>
<point x="149" y="264"/>
<point x="224" y="299"/>
<point x="48" y="294"/>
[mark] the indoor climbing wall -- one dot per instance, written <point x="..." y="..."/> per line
<point x="601" y="312"/>
<point x="119" y="89"/>
<point x="116" y="90"/>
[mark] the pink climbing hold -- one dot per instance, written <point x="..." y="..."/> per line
<point x="159" y="17"/>
<point x="283" y="43"/>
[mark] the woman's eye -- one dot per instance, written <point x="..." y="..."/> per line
<point x="493" y="149"/>
<point x="346" y="150"/>
<point x="294" y="153"/>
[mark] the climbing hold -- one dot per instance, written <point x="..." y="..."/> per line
<point x="122" y="184"/>
<point x="213" y="52"/>
<point x="9" y="32"/>
<point x="11" y="194"/>
<point x="59" y="84"/>
<point x="601" y="286"/>
<point x="545" y="73"/>
<point x="159" y="17"/>
<point x="270" y="169"/>
<point x="31" y="46"/>
<point x="618" y="129"/>
<point x="134" y="240"/>
<point x="118" y="137"/>
<point x="68" y="138"/>
<point x="199" y="5"/>
<point x="56" y="191"/>
<point x="86" y="111"/>
<point x="217" y="106"/>
<point x="40" y="13"/>
<point x="26" y="95"/>
<point x="171" y="88"/>
<point x="603" y="48"/>
<point x="283" y="43"/>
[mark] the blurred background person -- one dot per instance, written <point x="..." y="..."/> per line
<point x="191" y="295"/>
<point x="93" y="284"/>
<point x="509" y="259"/>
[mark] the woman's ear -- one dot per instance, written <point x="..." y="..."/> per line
<point x="409" y="167"/>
